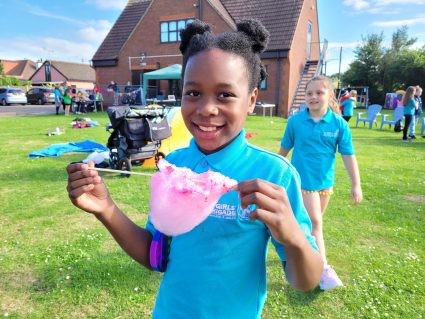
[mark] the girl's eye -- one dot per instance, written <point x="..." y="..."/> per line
<point x="225" y="94"/>
<point x="192" y="93"/>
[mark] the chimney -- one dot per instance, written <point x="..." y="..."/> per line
<point x="38" y="64"/>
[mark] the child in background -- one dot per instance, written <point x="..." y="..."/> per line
<point x="58" y="98"/>
<point x="67" y="100"/>
<point x="315" y="135"/>
<point x="344" y="95"/>
<point x="348" y="105"/>
<point x="409" y="107"/>
<point x="218" y="269"/>
<point x="418" y="111"/>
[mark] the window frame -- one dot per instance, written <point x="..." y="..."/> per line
<point x="175" y="32"/>
<point x="264" y="81"/>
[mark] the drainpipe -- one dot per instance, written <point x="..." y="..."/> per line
<point x="200" y="10"/>
<point x="278" y="88"/>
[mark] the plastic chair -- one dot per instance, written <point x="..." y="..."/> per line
<point x="398" y="115"/>
<point x="371" y="114"/>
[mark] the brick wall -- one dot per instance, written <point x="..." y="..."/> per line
<point x="297" y="55"/>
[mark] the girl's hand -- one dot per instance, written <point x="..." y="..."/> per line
<point x="356" y="194"/>
<point x="87" y="190"/>
<point x="272" y="208"/>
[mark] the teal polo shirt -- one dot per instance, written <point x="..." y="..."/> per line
<point x="218" y="269"/>
<point x="315" y="145"/>
<point x="410" y="107"/>
<point x="348" y="105"/>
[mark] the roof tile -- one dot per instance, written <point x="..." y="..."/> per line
<point x="280" y="17"/>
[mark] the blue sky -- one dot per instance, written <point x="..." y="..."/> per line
<point x="343" y="23"/>
<point x="73" y="30"/>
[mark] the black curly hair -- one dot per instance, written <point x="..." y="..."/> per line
<point x="248" y="41"/>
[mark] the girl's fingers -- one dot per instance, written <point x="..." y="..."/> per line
<point x="260" y="200"/>
<point x="77" y="192"/>
<point x="81" y="174"/>
<point x="258" y="185"/>
<point x="84" y="181"/>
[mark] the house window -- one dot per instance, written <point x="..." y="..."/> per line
<point x="48" y="74"/>
<point x="309" y="30"/>
<point x="170" y="30"/>
<point x="263" y="85"/>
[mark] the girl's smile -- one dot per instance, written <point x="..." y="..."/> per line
<point x="216" y="98"/>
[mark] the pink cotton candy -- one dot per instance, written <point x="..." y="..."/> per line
<point x="181" y="199"/>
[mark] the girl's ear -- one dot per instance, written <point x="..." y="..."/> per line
<point x="253" y="100"/>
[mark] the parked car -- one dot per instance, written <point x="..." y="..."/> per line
<point x="41" y="96"/>
<point x="12" y="96"/>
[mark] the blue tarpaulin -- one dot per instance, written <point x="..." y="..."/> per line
<point x="55" y="150"/>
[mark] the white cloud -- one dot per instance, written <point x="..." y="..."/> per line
<point x="108" y="4"/>
<point x="357" y="4"/>
<point x="384" y="3"/>
<point x="44" y="13"/>
<point x="399" y="23"/>
<point x="48" y="48"/>
<point x="344" y="45"/>
<point x="95" y="31"/>
<point x="382" y="6"/>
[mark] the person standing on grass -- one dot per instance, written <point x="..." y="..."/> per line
<point x="409" y="107"/>
<point x="218" y="269"/>
<point x="62" y="89"/>
<point x="315" y="135"/>
<point x="67" y="100"/>
<point x="58" y="98"/>
<point x="348" y="105"/>
<point x="418" y="112"/>
<point x="113" y="87"/>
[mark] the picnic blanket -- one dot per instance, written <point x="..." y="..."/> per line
<point x="56" y="150"/>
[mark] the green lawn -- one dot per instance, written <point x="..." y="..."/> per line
<point x="59" y="262"/>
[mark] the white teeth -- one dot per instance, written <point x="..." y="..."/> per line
<point x="207" y="129"/>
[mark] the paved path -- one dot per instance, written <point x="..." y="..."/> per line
<point x="26" y="110"/>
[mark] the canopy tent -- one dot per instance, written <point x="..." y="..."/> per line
<point x="172" y="72"/>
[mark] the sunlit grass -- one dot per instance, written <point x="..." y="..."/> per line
<point x="56" y="261"/>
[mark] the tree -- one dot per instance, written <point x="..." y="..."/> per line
<point x="386" y="70"/>
<point x="365" y="70"/>
<point x="400" y="40"/>
<point x="390" y="65"/>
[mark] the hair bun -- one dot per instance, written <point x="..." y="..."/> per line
<point x="256" y="31"/>
<point x="192" y="29"/>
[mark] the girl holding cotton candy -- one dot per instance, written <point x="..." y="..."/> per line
<point x="217" y="266"/>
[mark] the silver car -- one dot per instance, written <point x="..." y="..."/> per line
<point x="12" y="96"/>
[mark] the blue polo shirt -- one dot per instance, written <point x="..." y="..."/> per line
<point x="315" y="145"/>
<point x="348" y="105"/>
<point x="218" y="269"/>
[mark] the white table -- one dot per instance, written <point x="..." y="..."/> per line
<point x="265" y="106"/>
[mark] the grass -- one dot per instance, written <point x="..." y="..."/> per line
<point x="58" y="262"/>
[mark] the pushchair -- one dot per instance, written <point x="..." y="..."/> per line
<point x="136" y="135"/>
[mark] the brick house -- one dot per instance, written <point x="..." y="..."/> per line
<point x="145" y="38"/>
<point x="78" y="75"/>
